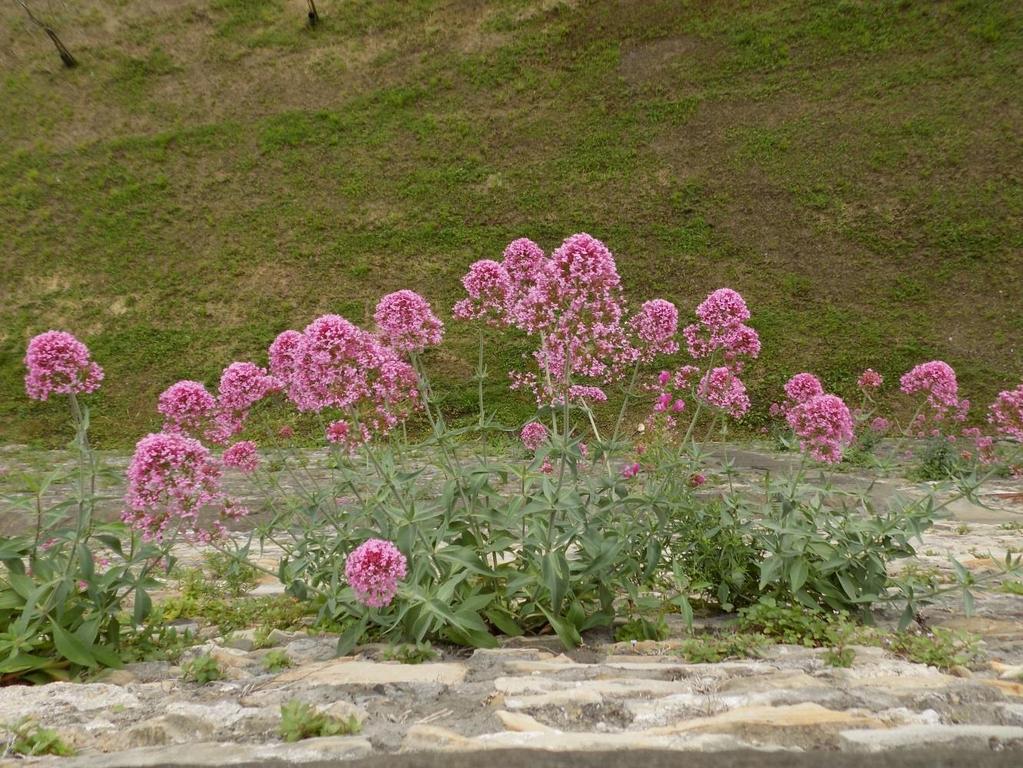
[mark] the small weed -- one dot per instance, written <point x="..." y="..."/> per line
<point x="28" y="738"/>
<point x="642" y="629"/>
<point x="202" y="669"/>
<point x="709" y="649"/>
<point x="236" y="575"/>
<point x="942" y="648"/>
<point x="794" y="625"/>
<point x="1012" y="587"/>
<point x="265" y="611"/>
<point x="303" y="721"/>
<point x="276" y="661"/>
<point x="408" y="653"/>
<point x="962" y="530"/>
<point x="155" y="642"/>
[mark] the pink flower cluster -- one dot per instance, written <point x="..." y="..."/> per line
<point x="573" y="302"/>
<point x="188" y="407"/>
<point x="373" y="571"/>
<point x="242" y="456"/>
<point x="823" y="425"/>
<point x="171" y="478"/>
<point x="59" y="364"/>
<point x="338" y="365"/>
<point x="340" y="433"/>
<point x="721" y="388"/>
<point x="533" y="435"/>
<point x="655" y="327"/>
<point x="242" y="385"/>
<point x="937" y="380"/>
<point x="870" y="379"/>
<point x="802" y="387"/>
<point x="407" y="323"/>
<point x="722" y="328"/>
<point x="490" y="291"/>
<point x="1006" y="413"/>
<point x="798" y="389"/>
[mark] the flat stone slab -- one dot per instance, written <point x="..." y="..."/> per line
<point x="916" y="736"/>
<point x="212" y="754"/>
<point x="352" y="672"/>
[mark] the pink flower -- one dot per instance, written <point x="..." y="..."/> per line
<point x="721" y="327"/>
<point x="340" y="433"/>
<point x="186" y="406"/>
<point x="724" y="308"/>
<point x="870" y="379"/>
<point x="802" y="387"/>
<point x="1006" y="413"/>
<point x="242" y="385"/>
<point x="338" y="365"/>
<point x="171" y="477"/>
<point x="407" y="323"/>
<point x="573" y="302"/>
<point x="286" y="432"/>
<point x="523" y="261"/>
<point x="880" y="425"/>
<point x="823" y="425"/>
<point x="655" y="327"/>
<point x="630" y="471"/>
<point x="938" y="381"/>
<point x="282" y="355"/>
<point x="242" y="456"/>
<point x="685" y="376"/>
<point x="373" y="571"/>
<point x="59" y="364"/>
<point x="533" y="435"/>
<point x="697" y="480"/>
<point x="722" y="389"/>
<point x="490" y="290"/>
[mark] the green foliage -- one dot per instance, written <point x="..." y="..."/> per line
<point x="276" y="660"/>
<point x="642" y="629"/>
<point x="300" y="720"/>
<point x="791" y="624"/>
<point x="408" y="653"/>
<point x="65" y="583"/>
<point x="155" y="641"/>
<point x="940" y="647"/>
<point x="710" y="649"/>
<point x="201" y="602"/>
<point x="202" y="669"/>
<point x="29" y="739"/>
<point x="232" y="573"/>
<point x="1013" y="587"/>
<point x="939" y="460"/>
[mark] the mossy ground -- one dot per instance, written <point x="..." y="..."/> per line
<point x="213" y="173"/>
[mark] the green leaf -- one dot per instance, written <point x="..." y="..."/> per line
<point x="143" y="606"/>
<point x="351" y="637"/>
<point x="70" y="647"/>
<point x="798" y="574"/>
<point x="503" y="622"/>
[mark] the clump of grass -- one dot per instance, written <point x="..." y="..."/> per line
<point x="202" y="669"/>
<point x="300" y="720"/>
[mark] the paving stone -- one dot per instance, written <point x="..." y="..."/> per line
<point x="347" y="671"/>
<point x="916" y="736"/>
<point x="212" y="754"/>
<point x="55" y="700"/>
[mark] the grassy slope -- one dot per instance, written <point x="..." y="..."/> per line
<point x="213" y="173"/>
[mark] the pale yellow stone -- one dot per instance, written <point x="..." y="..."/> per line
<point x="350" y="672"/>
<point x="521" y="723"/>
<point x="789" y="716"/>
